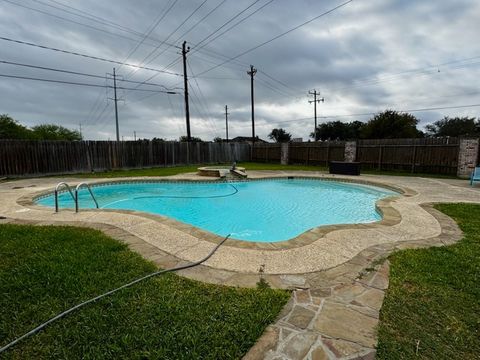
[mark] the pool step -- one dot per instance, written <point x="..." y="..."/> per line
<point x="239" y="173"/>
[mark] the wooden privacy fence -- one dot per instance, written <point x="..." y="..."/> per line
<point x="424" y="155"/>
<point x="24" y="157"/>
<point x="313" y="153"/>
<point x="266" y="152"/>
<point x="316" y="153"/>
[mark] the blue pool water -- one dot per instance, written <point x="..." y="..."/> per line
<point x="264" y="211"/>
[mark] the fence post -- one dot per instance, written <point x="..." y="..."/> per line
<point x="467" y="157"/>
<point x="413" y="158"/>
<point x="327" y="161"/>
<point x="380" y="150"/>
<point x="150" y="153"/>
<point x="350" y="152"/>
<point x="89" y="157"/>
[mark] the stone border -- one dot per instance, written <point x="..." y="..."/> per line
<point x="337" y="317"/>
<point x="333" y="314"/>
<point x="216" y="171"/>
<point x="390" y="216"/>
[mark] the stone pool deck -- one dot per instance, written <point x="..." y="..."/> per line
<point x="338" y="272"/>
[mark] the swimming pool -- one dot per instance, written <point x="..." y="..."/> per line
<point x="264" y="211"/>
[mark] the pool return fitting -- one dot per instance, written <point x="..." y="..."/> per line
<point x="66" y="312"/>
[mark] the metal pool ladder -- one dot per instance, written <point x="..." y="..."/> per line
<point x="84" y="184"/>
<point x="75" y="198"/>
<point x="59" y="185"/>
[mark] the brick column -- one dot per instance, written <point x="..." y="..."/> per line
<point x="284" y="153"/>
<point x="467" y="157"/>
<point x="350" y="151"/>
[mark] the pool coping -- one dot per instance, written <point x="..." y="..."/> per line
<point x="390" y="216"/>
<point x="334" y="310"/>
<point x="337" y="315"/>
<point x="329" y="249"/>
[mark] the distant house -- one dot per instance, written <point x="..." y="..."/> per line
<point x="248" y="139"/>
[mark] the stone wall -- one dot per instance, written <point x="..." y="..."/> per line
<point x="284" y="154"/>
<point x="350" y="151"/>
<point x="467" y="157"/>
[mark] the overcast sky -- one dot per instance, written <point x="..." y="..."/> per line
<point x="363" y="57"/>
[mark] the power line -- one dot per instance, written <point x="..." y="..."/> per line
<point x="195" y="48"/>
<point x="203" y="102"/>
<point x="204" y="39"/>
<point x="86" y="56"/>
<point x="278" y="81"/>
<point x="96" y="105"/>
<point x="144" y="36"/>
<point x="274" y="88"/>
<point x="374" y="113"/>
<point x="278" y="36"/>
<point x="189" y="30"/>
<point x="84" y="84"/>
<point x="76" y="73"/>
<point x="201" y="20"/>
<point x="226" y="23"/>
<point x="265" y="83"/>
<point x="168" y="37"/>
<point x="91" y="17"/>
<point x="405" y="111"/>
<point x="430" y="70"/>
<point x="72" y="21"/>
<point x="154" y="25"/>
<point x="202" y="115"/>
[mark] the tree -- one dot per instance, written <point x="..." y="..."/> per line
<point x="158" y="139"/>
<point x="11" y="129"/>
<point x="280" y="135"/>
<point x="217" y="139"/>
<point x="337" y="130"/>
<point x="55" y="132"/>
<point x="184" y="138"/>
<point x="457" y="126"/>
<point x="391" y="124"/>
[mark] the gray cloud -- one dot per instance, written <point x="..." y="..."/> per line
<point x="360" y="57"/>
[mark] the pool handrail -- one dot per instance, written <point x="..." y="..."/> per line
<point x="79" y="186"/>
<point x="59" y="185"/>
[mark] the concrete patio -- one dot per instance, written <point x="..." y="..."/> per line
<point x="338" y="272"/>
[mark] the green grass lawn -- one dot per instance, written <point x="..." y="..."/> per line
<point x="168" y="171"/>
<point x="45" y="270"/>
<point x="159" y="171"/>
<point x="434" y="297"/>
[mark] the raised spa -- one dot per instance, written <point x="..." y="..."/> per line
<point x="262" y="210"/>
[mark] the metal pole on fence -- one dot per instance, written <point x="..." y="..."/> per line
<point x="185" y="50"/>
<point x="315" y="101"/>
<point x="226" y="122"/>
<point x="252" y="73"/>
<point x="116" y="106"/>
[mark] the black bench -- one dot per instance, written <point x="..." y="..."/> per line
<point x="344" y="168"/>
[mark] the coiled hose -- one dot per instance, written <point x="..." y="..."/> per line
<point x="66" y="312"/>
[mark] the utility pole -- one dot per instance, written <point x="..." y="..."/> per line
<point x="185" y="50"/>
<point x="81" y="135"/>
<point x="226" y="121"/>
<point x="116" y="100"/>
<point x="252" y="73"/>
<point x="134" y="135"/>
<point x="315" y="101"/>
